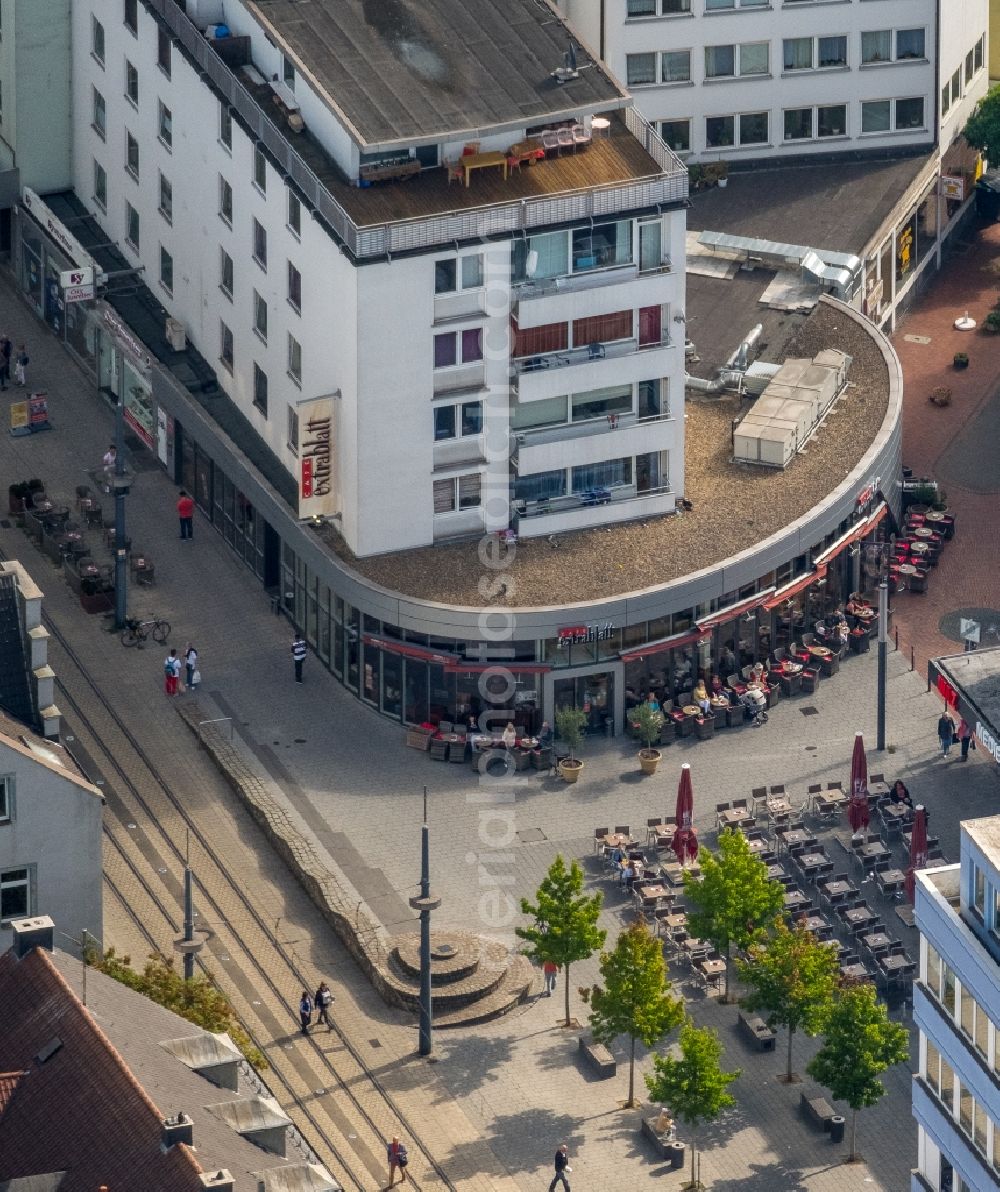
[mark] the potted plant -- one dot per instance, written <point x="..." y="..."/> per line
<point x="695" y="175"/>
<point x="649" y="722"/>
<point x="960" y="360"/>
<point x="940" y="396"/>
<point x="570" y="723"/>
<point x="991" y="324"/>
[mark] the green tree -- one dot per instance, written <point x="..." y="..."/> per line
<point x="635" y="999"/>
<point x="792" y="977"/>
<point x="649" y="722"/>
<point x="733" y="899"/>
<point x="197" y="1000"/>
<point x="565" y="921"/>
<point x="570" y="723"/>
<point x="982" y="130"/>
<point x="693" y="1086"/>
<point x="859" y="1044"/>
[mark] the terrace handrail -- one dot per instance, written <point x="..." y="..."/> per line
<point x="417" y="232"/>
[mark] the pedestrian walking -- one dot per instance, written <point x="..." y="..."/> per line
<point x="185" y="514"/>
<point x="398" y="1160"/>
<point x="171" y="672"/>
<point x="192" y="675"/>
<point x="549" y="970"/>
<point x="305" y="1012"/>
<point x="108" y="461"/>
<point x="299" y="650"/>
<point x="945" y="732"/>
<point x="21" y="362"/>
<point x="965" y="738"/>
<point x="6" y="350"/>
<point x="323" y="1000"/>
<point x="562" y="1168"/>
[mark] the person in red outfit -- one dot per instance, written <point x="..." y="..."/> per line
<point x="185" y="511"/>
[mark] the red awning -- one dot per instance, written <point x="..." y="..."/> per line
<point x="686" y="638"/>
<point x="407" y="650"/>
<point x="795" y="587"/>
<point x="734" y="610"/>
<point x="855" y="534"/>
<point x="515" y="668"/>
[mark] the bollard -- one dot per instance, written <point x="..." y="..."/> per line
<point x="895" y="634"/>
<point x="913" y="661"/>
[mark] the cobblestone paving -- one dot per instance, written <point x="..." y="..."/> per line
<point x="514" y="1083"/>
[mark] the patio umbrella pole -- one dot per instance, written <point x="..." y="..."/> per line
<point x="883" y="650"/>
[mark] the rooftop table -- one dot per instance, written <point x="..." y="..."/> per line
<point x="482" y="161"/>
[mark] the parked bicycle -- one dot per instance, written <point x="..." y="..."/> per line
<point x="137" y="633"/>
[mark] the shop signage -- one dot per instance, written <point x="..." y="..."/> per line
<point x="29" y="417"/>
<point x="904" y="250"/>
<point x="864" y="499"/>
<point x="988" y="741"/>
<point x="57" y="230"/>
<point x="953" y="187"/>
<point x="947" y="692"/>
<point x="77" y="285"/>
<point x="132" y="347"/>
<point x="580" y="635"/>
<point x="316" y="478"/>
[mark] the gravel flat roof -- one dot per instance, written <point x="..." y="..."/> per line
<point x="735" y="505"/>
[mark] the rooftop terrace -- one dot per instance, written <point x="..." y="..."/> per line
<point x="397" y="71"/>
<point x="602" y="562"/>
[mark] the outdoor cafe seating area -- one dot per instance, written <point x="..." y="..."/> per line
<point x="79" y="538"/>
<point x="447" y="742"/>
<point x="847" y="889"/>
<point x="917" y="551"/>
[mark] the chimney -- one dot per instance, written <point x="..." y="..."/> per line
<point x="32" y="933"/>
<point x="219" y="1181"/>
<point x="178" y="1129"/>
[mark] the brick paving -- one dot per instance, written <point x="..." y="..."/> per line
<point x="955" y="445"/>
<point x="514" y="1084"/>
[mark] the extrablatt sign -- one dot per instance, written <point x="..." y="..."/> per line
<point x="317" y="487"/>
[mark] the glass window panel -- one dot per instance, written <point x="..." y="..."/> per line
<point x="547" y="412"/>
<point x="910" y="112"/>
<point x="831" y="51"/>
<point x="551" y="254"/>
<point x="472" y="417"/>
<point x="967" y="1012"/>
<point x="981" y="1124"/>
<point x="947" y="1093"/>
<point x="641" y="8"/>
<point x="798" y="53"/>
<point x="754" y="128"/>
<point x="472" y="271"/>
<point x="875" y="116"/>
<point x="611" y="473"/>
<point x="445" y="350"/>
<point x="472" y="345"/>
<point x="755" y="58"/>
<point x="444" y="423"/>
<point x="445" y="276"/>
<point x="415" y="687"/>
<point x="720" y="131"/>
<point x="948" y="990"/>
<point x="982" y="1033"/>
<point x="965" y="1108"/>
<point x="720" y="61"/>
<point x="932" y="1068"/>
<point x="470" y="491"/>
<point x="602" y="245"/>
<point x="640" y="69"/>
<point x="676" y="134"/>
<point x="392" y="683"/>
<point x="541" y="486"/>
<point x="676" y="66"/>
<point x="832" y="121"/>
<point x="979" y="889"/>
<point x="599" y="403"/>
<point x="798" y="124"/>
<point x="876" y="45"/>
<point x="909" y="43"/>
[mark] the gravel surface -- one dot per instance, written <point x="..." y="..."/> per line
<point x="735" y="505"/>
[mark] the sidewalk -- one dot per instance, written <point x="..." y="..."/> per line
<point x="957" y="446"/>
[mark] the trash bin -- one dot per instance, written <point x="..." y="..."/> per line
<point x="675" y="1155"/>
<point x="837" y="1129"/>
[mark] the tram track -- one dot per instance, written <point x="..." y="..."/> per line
<point x="353" y="1105"/>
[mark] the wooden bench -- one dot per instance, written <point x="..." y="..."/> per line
<point x="599" y="1058"/>
<point x="817" y="1109"/>
<point x="758" y="1031"/>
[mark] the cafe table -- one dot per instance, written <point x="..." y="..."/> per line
<point x="615" y="839"/>
<point x="875" y="851"/>
<point x="896" y="965"/>
<point x="855" y="972"/>
<point x="816" y="924"/>
<point x="794" y="899"/>
<point x="733" y="815"/>
<point x="713" y="969"/>
<point x="777" y="872"/>
<point x="907" y="569"/>
<point x="857" y="918"/>
<point x="878" y="939"/>
<point x="779" y="806"/>
<point x="810" y="862"/>
<point x="792" y="837"/>
<point x="923" y="532"/>
<point x="654" y="893"/>
<point x="895" y="811"/>
<point x="820" y="651"/>
<point x="691" y="710"/>
<point x="920" y="548"/>
<point x="694" y="945"/>
<point x="892" y="879"/>
<point x="836" y="889"/>
<point x="482" y="161"/>
<point x="674" y="922"/>
<point x="758" y="845"/>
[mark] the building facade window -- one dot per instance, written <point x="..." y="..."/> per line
<point x="260" y="316"/>
<point x="831" y="121"/>
<point x="6" y="798"/>
<point x="458" y="493"/>
<point x="455" y="273"/>
<point x="979" y="891"/>
<point x="100" y="186"/>
<point x="132" y="155"/>
<point x="462" y="420"/>
<point x="99" y="120"/>
<point x="640" y="69"/>
<point x="675" y="66"/>
<point x="260" y="244"/>
<point x="225" y="126"/>
<point x="131" y="84"/>
<point x="676" y="135"/>
<point x="166" y="199"/>
<point x="225" y="202"/>
<point x="909" y="113"/>
<point x="131" y="227"/>
<point x="131" y="16"/>
<point x="294" y="215"/>
<point x="294" y="359"/>
<point x="292" y="430"/>
<point x="226" y="273"/>
<point x="798" y="124"/>
<point x="15" y="894"/>
<point x="260" y="389"/>
<point x="909" y="44"/>
<point x="165" y="126"/>
<point x="720" y="131"/>
<point x="166" y="270"/>
<point x="97" y="40"/>
<point x="458" y="347"/>
<point x="226" y="353"/>
<point x="163" y="51"/>
<point x="294" y="288"/>
<point x="260" y="170"/>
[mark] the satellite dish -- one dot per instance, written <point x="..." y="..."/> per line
<point x="531" y="263"/>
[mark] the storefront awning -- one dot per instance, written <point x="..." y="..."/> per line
<point x="735" y="610"/>
<point x="855" y="534"/>
<point x="480" y="668"/>
<point x="687" y="638"/>
<point x="407" y="650"/>
<point x="790" y="590"/>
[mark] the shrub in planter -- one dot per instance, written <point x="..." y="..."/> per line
<point x="649" y="722"/>
<point x="570" y="723"/>
<point x="991" y="324"/>
<point x="960" y="360"/>
<point x="941" y="396"/>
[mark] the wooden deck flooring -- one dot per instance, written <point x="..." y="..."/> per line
<point x="619" y="157"/>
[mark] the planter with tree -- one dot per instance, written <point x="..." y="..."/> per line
<point x="733" y="899"/>
<point x="692" y="1084"/>
<point x="991" y="324"/>
<point x="564" y="922"/>
<point x="570" y="724"/>
<point x="17" y="495"/>
<point x="792" y="977"/>
<point x="960" y="360"/>
<point x="635" y="999"/>
<point x="649" y="723"/>
<point x="859" y="1044"/>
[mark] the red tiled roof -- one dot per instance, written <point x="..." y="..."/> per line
<point x="81" y="1111"/>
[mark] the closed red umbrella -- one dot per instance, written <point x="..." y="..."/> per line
<point x="684" y="816"/>
<point x="858" y="812"/>
<point x="918" y="849"/>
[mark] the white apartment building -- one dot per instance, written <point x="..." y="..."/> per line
<point x="478" y="349"/>
<point x="784" y="79"/>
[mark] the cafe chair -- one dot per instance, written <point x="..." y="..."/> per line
<point x="623" y="831"/>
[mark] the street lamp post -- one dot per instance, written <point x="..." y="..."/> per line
<point x="121" y="488"/>
<point x="425" y="903"/>
<point x="883" y="651"/>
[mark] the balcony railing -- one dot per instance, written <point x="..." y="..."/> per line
<point x="581" y="430"/>
<point x="540" y="361"/>
<point x="627" y="492"/>
<point x="614" y="275"/>
<point x="472" y="223"/>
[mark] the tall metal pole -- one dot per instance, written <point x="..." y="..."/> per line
<point x="425" y="903"/>
<point x="188" y="922"/>
<point x="121" y="569"/>
<point x="883" y="650"/>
